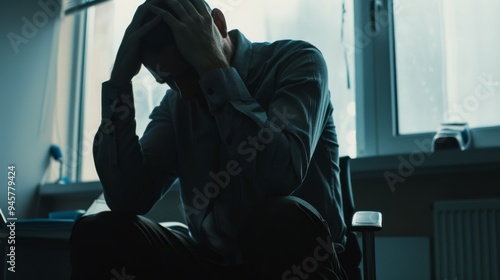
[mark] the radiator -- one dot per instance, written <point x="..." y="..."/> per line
<point x="467" y="240"/>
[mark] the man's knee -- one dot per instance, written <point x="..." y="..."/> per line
<point x="281" y="221"/>
<point x="284" y="234"/>
<point x="285" y="212"/>
<point x="102" y="226"/>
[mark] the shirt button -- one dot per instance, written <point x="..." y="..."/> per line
<point x="210" y="91"/>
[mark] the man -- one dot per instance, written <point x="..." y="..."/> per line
<point x="247" y="129"/>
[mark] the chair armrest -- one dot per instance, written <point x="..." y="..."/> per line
<point x="366" y="221"/>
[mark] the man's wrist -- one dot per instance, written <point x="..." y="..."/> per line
<point x="119" y="84"/>
<point x="114" y="99"/>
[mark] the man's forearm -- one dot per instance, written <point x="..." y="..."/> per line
<point x="117" y="153"/>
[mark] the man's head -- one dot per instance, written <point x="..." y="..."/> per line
<point x="161" y="36"/>
<point x="160" y="55"/>
<point x="158" y="50"/>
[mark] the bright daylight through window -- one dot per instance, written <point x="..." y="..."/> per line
<point x="319" y="22"/>
<point x="447" y="63"/>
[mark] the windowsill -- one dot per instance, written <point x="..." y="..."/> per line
<point x="421" y="163"/>
<point x="65" y="197"/>
<point x="93" y="189"/>
<point x="361" y="168"/>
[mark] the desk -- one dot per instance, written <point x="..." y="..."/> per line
<point x="41" y="250"/>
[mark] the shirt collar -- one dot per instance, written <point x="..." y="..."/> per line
<point x="242" y="53"/>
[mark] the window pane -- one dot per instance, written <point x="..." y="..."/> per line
<point x="446" y="63"/>
<point x="319" y="23"/>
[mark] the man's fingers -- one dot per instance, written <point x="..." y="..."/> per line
<point x="134" y="40"/>
<point x="143" y="30"/>
<point x="140" y="15"/>
<point x="178" y="7"/>
<point x="200" y="7"/>
<point x="167" y="17"/>
<point x="187" y="5"/>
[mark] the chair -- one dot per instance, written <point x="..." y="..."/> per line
<point x="366" y="222"/>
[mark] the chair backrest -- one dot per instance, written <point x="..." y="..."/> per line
<point x="345" y="183"/>
<point x="350" y="259"/>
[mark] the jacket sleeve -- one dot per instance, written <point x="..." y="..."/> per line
<point x="274" y="146"/>
<point x="134" y="173"/>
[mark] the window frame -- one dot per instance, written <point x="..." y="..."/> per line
<point x="75" y="113"/>
<point x="376" y="84"/>
<point x="87" y="28"/>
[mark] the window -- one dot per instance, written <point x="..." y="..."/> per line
<point x="422" y="63"/>
<point x="446" y="66"/>
<point x="321" y="22"/>
<point x="106" y="24"/>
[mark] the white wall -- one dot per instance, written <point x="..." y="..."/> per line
<point x="27" y="93"/>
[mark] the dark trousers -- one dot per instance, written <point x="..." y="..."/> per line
<point x="284" y="239"/>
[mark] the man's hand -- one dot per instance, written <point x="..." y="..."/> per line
<point x="196" y="36"/>
<point x="128" y="61"/>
